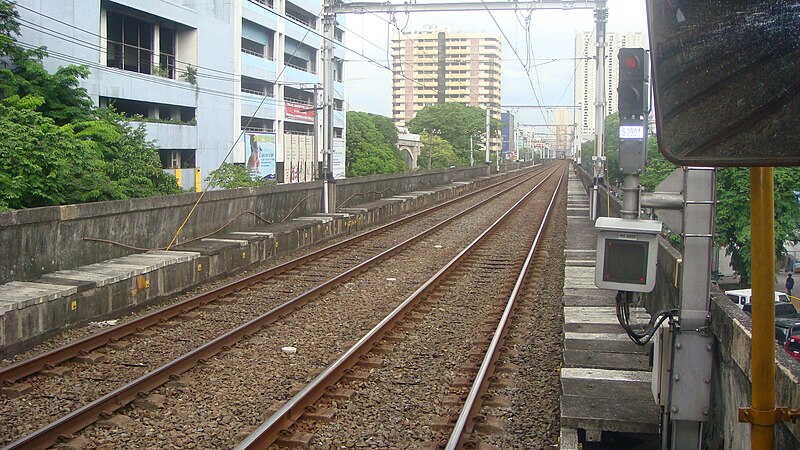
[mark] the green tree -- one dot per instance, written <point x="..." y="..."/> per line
<point x="610" y="151"/>
<point x="455" y="123"/>
<point x="368" y="153"/>
<point x="387" y="129"/>
<point x="56" y="147"/>
<point x="231" y="176"/>
<point x="658" y="168"/>
<point x="733" y="226"/>
<point x="442" y="154"/>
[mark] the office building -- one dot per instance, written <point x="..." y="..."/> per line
<point x="199" y="73"/>
<point x="585" y="75"/>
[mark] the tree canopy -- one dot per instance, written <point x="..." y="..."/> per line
<point x="455" y="123"/>
<point x="55" y="147"/>
<point x="442" y="154"/>
<point x="369" y="151"/>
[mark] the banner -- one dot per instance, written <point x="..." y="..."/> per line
<point x="261" y="148"/>
<point x="299" y="111"/>
<point x="337" y="158"/>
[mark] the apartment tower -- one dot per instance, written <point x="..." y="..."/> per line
<point x="585" y="75"/>
<point x="437" y="65"/>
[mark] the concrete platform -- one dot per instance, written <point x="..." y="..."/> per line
<point x="605" y="379"/>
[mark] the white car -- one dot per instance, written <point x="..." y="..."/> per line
<point x="742" y="296"/>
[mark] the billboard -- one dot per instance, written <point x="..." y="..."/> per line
<point x="337" y="158"/>
<point x="298" y="158"/>
<point x="261" y="148"/>
<point x="299" y="111"/>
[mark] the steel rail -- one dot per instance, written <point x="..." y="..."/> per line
<point x="464" y="423"/>
<point x="22" y="369"/>
<point x="270" y="430"/>
<point x="105" y="405"/>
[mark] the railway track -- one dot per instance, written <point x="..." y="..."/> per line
<point x="136" y="355"/>
<point x="422" y="373"/>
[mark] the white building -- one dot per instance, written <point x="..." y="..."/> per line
<point x="198" y="72"/>
<point x="585" y="75"/>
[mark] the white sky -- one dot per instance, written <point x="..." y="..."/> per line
<point x="552" y="35"/>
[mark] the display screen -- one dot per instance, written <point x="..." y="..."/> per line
<point x="625" y="261"/>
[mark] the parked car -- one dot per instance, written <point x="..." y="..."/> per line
<point x="792" y="347"/>
<point x="782" y="309"/>
<point x="785" y="328"/>
<point x="797" y="267"/>
<point x="742" y="296"/>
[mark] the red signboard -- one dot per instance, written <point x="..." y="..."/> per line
<point x="299" y="111"/>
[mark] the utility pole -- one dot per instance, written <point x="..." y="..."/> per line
<point x="471" y="156"/>
<point x="488" y="160"/>
<point x="430" y="148"/>
<point x="601" y="17"/>
<point x="328" y="22"/>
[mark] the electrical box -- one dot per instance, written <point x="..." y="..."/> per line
<point x="626" y="254"/>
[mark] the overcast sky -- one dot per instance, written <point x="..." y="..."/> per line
<point x="552" y="37"/>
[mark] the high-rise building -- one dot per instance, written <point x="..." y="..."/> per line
<point x="197" y="74"/>
<point x="510" y="151"/>
<point x="437" y="65"/>
<point x="564" y="127"/>
<point x="585" y="74"/>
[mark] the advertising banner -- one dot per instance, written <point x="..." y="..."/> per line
<point x="261" y="150"/>
<point x="299" y="111"/>
<point x="337" y="158"/>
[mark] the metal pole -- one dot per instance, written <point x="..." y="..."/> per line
<point x="762" y="235"/>
<point x="690" y="380"/>
<point x="488" y="160"/>
<point x="317" y="162"/>
<point x="329" y="20"/>
<point x="430" y="148"/>
<point x="471" y="156"/>
<point x="630" y="197"/>
<point x="601" y="16"/>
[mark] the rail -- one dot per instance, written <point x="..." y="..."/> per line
<point x="464" y="424"/>
<point x="270" y="430"/>
<point x="89" y="413"/>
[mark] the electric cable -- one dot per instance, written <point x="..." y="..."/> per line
<point x="623" y="300"/>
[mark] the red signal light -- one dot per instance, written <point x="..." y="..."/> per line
<point x="631" y="63"/>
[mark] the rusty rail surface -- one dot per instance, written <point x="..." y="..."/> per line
<point x="465" y="422"/>
<point x="269" y="431"/>
<point x="22" y="369"/>
<point x="104" y="406"/>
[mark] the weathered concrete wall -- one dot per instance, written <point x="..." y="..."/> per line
<point x="37" y="241"/>
<point x="731" y="379"/>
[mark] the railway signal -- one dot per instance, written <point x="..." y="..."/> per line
<point x="634" y="76"/>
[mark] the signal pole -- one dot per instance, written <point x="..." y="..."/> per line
<point x="601" y="17"/>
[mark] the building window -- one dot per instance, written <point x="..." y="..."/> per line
<point x="258" y="125"/>
<point x="150" y="112"/>
<point x="258" y="87"/>
<point x="253" y="48"/>
<point x="131" y="45"/>
<point x="177" y="159"/>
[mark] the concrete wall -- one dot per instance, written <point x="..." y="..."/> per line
<point x="732" y="329"/>
<point x="37" y="241"/>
